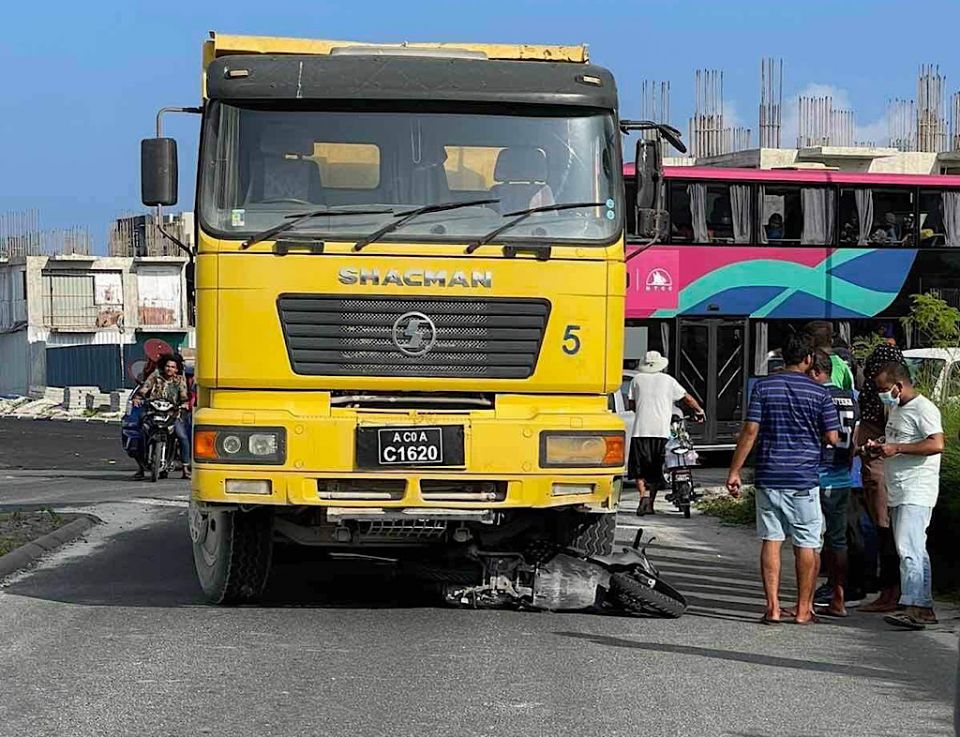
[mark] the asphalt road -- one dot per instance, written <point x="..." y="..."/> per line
<point x="111" y="636"/>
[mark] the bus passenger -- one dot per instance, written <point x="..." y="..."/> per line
<point x="774" y="227"/>
<point x="890" y="228"/>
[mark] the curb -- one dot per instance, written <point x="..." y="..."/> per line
<point x="100" y="420"/>
<point x="27" y="554"/>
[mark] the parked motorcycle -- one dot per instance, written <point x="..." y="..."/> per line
<point x="679" y="462"/>
<point x="161" y="449"/>
<point x="554" y="578"/>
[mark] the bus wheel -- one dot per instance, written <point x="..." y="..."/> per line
<point x="232" y="552"/>
<point x="593" y="533"/>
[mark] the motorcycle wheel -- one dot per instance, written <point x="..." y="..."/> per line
<point x="684" y="496"/>
<point x="232" y="552"/>
<point x="156" y="460"/>
<point x="638" y="599"/>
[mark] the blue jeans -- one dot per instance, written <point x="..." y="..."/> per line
<point x="181" y="429"/>
<point x="910" y="522"/>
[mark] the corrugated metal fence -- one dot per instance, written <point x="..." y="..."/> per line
<point x="85" y="365"/>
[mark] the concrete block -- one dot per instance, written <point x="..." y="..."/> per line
<point x="97" y="401"/>
<point x="53" y="394"/>
<point x="119" y="399"/>
<point x="75" y="397"/>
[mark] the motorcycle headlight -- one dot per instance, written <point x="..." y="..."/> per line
<point x="581" y="449"/>
<point x="260" y="445"/>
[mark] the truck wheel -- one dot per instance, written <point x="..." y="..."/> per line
<point x="593" y="533"/>
<point x="231" y="552"/>
<point x="638" y="599"/>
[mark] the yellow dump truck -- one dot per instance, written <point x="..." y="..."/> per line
<point x="409" y="294"/>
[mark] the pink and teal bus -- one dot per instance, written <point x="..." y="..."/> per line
<point x="754" y="253"/>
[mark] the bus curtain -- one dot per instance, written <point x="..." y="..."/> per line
<point x="698" y="212"/>
<point x="864" y="198"/>
<point x="818" y="216"/>
<point x="951" y="218"/>
<point x="740" y="205"/>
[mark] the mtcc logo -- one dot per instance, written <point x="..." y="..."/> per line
<point x="414" y="333"/>
<point x="658" y="280"/>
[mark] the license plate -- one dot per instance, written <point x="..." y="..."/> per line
<point x="409" y="446"/>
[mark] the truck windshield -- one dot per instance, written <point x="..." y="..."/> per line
<point x="260" y="166"/>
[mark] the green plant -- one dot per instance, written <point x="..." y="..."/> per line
<point x="864" y="345"/>
<point x="742" y="511"/>
<point x="936" y="322"/>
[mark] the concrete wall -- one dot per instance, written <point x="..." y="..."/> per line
<point x="843" y="158"/>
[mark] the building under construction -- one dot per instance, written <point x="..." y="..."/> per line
<point x="68" y="317"/>
<point x="923" y="131"/>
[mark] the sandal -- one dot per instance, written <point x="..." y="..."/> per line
<point x="905" y="621"/>
<point x="767" y="620"/>
<point x="828" y="612"/>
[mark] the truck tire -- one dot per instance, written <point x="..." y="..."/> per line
<point x="232" y="553"/>
<point x="637" y="599"/>
<point x="593" y="534"/>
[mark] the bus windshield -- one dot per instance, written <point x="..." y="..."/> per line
<point x="260" y="167"/>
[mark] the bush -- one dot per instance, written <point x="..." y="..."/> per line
<point x="742" y="511"/>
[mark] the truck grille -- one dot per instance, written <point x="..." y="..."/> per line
<point x="353" y="336"/>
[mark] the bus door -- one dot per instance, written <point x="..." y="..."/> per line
<point x="711" y="363"/>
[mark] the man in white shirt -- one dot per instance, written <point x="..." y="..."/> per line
<point x="652" y="397"/>
<point x="912" y="449"/>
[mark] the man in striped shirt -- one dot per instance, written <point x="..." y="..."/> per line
<point x="790" y="417"/>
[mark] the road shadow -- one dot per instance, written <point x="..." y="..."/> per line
<point x="152" y="566"/>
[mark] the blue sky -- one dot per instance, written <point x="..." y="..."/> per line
<point x="83" y="81"/>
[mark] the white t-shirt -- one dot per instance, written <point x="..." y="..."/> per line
<point x="913" y="479"/>
<point x="654" y="396"/>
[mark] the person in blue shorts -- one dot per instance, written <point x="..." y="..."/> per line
<point x="790" y="417"/>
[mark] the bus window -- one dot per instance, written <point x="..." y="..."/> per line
<point x="933" y="223"/>
<point x="781" y="215"/>
<point x="793" y="214"/>
<point x="702" y="212"/>
<point x="877" y="217"/>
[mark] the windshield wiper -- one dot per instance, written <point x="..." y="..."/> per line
<point x="521" y="215"/>
<point x="405" y="217"/>
<point x="299" y="217"/>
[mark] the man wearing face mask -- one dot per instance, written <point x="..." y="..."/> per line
<point x="912" y="449"/>
<point x="873" y="420"/>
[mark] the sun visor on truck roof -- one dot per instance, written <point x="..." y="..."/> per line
<point x="409" y="78"/>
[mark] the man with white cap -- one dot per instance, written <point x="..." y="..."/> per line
<point x="652" y="397"/>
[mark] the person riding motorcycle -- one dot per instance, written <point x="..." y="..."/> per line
<point x="168" y="382"/>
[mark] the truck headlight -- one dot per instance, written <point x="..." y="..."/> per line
<point x="577" y="449"/>
<point x="252" y="445"/>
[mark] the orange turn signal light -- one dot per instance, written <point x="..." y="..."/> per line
<point x="616" y="447"/>
<point x="205" y="444"/>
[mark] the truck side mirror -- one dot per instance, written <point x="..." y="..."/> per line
<point x="158" y="171"/>
<point x="652" y="220"/>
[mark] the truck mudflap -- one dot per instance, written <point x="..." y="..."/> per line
<point x="564" y="579"/>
